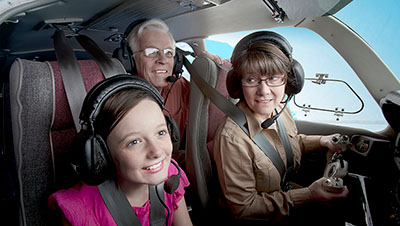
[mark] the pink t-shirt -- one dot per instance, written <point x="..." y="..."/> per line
<point x="83" y="205"/>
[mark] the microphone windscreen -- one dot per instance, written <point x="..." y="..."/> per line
<point x="171" y="79"/>
<point x="267" y="123"/>
<point x="172" y="184"/>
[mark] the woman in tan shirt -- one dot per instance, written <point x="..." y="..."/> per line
<point x="262" y="78"/>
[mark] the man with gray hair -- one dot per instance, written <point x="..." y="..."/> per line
<point x="153" y="52"/>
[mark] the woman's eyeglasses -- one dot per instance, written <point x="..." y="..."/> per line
<point x="271" y="81"/>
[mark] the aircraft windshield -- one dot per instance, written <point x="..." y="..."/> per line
<point x="377" y="25"/>
<point x="378" y="28"/>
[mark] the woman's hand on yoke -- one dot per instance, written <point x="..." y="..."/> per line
<point x="320" y="193"/>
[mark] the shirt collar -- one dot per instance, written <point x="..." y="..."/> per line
<point x="254" y="123"/>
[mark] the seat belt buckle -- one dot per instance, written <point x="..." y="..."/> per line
<point x="285" y="185"/>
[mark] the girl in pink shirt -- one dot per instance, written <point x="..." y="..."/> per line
<point x="124" y="124"/>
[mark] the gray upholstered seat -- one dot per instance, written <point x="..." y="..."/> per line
<point x="42" y="132"/>
<point x="204" y="117"/>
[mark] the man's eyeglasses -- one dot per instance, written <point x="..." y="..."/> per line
<point x="271" y="81"/>
<point x="155" y="52"/>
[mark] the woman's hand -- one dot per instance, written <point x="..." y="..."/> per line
<point x="320" y="193"/>
<point x="326" y="141"/>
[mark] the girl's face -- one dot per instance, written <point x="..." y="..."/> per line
<point x="263" y="99"/>
<point x="140" y="145"/>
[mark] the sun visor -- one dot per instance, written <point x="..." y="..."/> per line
<point x="390" y="105"/>
<point x="300" y="9"/>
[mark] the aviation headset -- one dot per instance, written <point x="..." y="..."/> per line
<point x="128" y="55"/>
<point x="92" y="158"/>
<point x="295" y="81"/>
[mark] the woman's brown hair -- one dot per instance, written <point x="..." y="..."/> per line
<point x="260" y="58"/>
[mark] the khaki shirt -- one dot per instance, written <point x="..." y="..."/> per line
<point x="249" y="180"/>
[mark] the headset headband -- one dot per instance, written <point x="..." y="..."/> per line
<point x="98" y="95"/>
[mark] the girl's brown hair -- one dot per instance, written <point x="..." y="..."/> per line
<point x="117" y="106"/>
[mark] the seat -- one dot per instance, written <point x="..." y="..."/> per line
<point x="203" y="120"/>
<point x="42" y="131"/>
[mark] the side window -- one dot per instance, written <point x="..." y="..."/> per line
<point x="332" y="92"/>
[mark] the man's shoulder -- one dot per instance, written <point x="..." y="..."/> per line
<point x="181" y="89"/>
<point x="183" y="82"/>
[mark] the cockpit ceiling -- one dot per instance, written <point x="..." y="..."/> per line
<point x="127" y="11"/>
<point x="104" y="18"/>
<point x="106" y="14"/>
<point x="98" y="18"/>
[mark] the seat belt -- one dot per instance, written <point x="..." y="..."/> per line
<point x="117" y="203"/>
<point x="105" y="63"/>
<point x="289" y="156"/>
<point x="237" y="116"/>
<point x="157" y="212"/>
<point x="286" y="143"/>
<point x="122" y="211"/>
<point x="71" y="75"/>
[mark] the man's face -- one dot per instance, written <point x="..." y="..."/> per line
<point x="154" y="69"/>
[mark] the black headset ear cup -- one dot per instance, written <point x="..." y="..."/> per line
<point x="178" y="63"/>
<point x="233" y="85"/>
<point x="296" y="79"/>
<point x="173" y="130"/>
<point x="93" y="164"/>
<point x="129" y="56"/>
